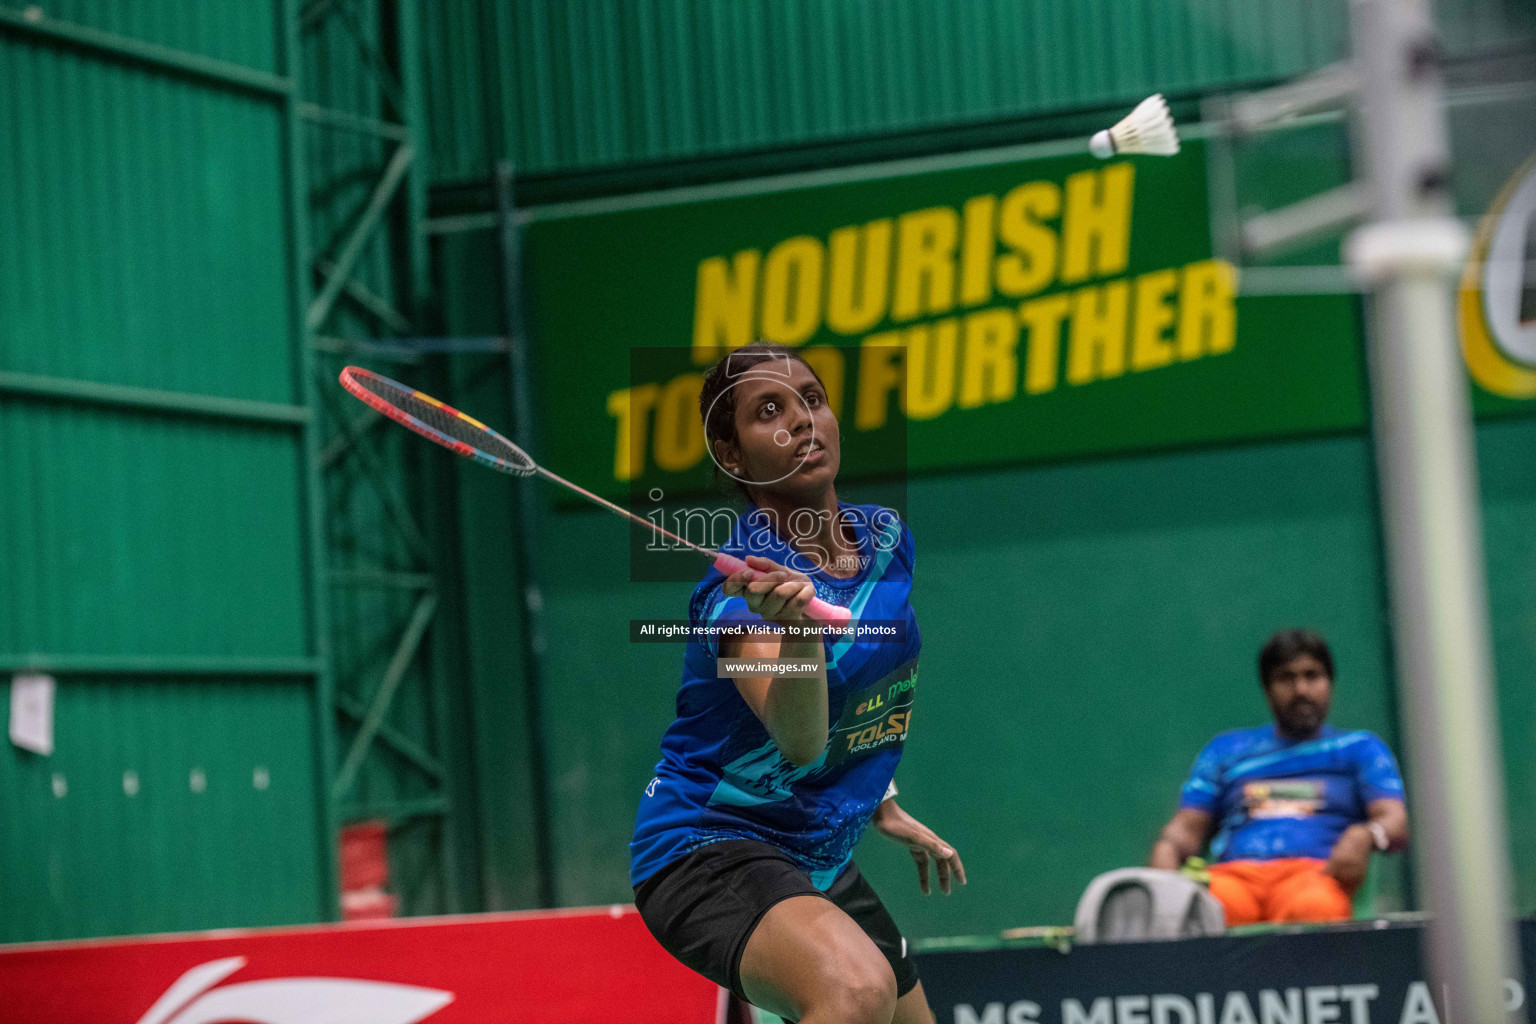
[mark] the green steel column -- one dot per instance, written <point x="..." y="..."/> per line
<point x="532" y="597"/>
<point x="461" y="890"/>
<point x="313" y="494"/>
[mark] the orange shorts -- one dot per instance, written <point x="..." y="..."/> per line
<point x="1293" y="889"/>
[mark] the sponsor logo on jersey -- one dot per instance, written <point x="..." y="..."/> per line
<point x="877" y="717"/>
<point x="1283" y="798"/>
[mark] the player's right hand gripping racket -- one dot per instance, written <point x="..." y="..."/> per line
<point x="472" y="439"/>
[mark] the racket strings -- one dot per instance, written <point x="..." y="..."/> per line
<point x="447" y="421"/>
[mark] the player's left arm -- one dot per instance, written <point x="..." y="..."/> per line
<point x="921" y="842"/>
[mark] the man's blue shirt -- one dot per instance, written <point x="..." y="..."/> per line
<point x="1275" y="798"/>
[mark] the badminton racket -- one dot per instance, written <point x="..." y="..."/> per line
<point x="472" y="439"/>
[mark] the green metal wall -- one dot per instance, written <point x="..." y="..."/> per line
<point x="586" y="83"/>
<point x="82" y="857"/>
<point x="565" y="85"/>
<point x="244" y="34"/>
<point x="1506" y="454"/>
<point x="155" y="534"/>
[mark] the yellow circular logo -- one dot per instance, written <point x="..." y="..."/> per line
<point x="1496" y="306"/>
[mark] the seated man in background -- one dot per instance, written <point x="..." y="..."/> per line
<point x="1292" y="810"/>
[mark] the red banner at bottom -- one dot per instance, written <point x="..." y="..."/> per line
<point x="570" y="967"/>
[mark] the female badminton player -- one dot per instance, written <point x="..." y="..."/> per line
<point x="741" y="858"/>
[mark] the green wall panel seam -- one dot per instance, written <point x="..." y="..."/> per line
<point x="348" y="121"/>
<point x="166" y="59"/>
<point x="156" y="665"/>
<point x="152" y="399"/>
<point x="296" y="209"/>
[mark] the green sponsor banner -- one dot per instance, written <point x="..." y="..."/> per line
<point x="980" y="313"/>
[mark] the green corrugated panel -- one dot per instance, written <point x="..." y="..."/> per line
<point x="574" y="84"/>
<point x="464" y="111"/>
<point x="214" y="824"/>
<point x="146" y="247"/>
<point x="1506" y="454"/>
<point x="139" y="534"/>
<point x="243" y="33"/>
<point x="589" y="83"/>
<point x="143" y="228"/>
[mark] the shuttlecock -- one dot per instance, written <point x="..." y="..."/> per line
<point x="1147" y="129"/>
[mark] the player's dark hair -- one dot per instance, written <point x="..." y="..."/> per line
<point x="1293" y="643"/>
<point x="717" y="400"/>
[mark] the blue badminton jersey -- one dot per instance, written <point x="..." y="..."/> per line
<point x="1276" y="798"/>
<point x="721" y="776"/>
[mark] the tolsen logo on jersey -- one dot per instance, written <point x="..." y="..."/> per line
<point x="877" y="717"/>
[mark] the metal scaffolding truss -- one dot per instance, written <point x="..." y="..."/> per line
<point x="385" y="544"/>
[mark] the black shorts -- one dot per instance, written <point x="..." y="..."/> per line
<point x="703" y="907"/>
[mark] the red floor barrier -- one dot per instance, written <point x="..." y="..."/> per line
<point x="564" y="967"/>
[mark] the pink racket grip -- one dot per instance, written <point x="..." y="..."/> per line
<point x="826" y="614"/>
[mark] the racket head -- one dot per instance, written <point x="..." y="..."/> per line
<point x="437" y="422"/>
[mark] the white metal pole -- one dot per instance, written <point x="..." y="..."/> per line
<point x="1427" y="465"/>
